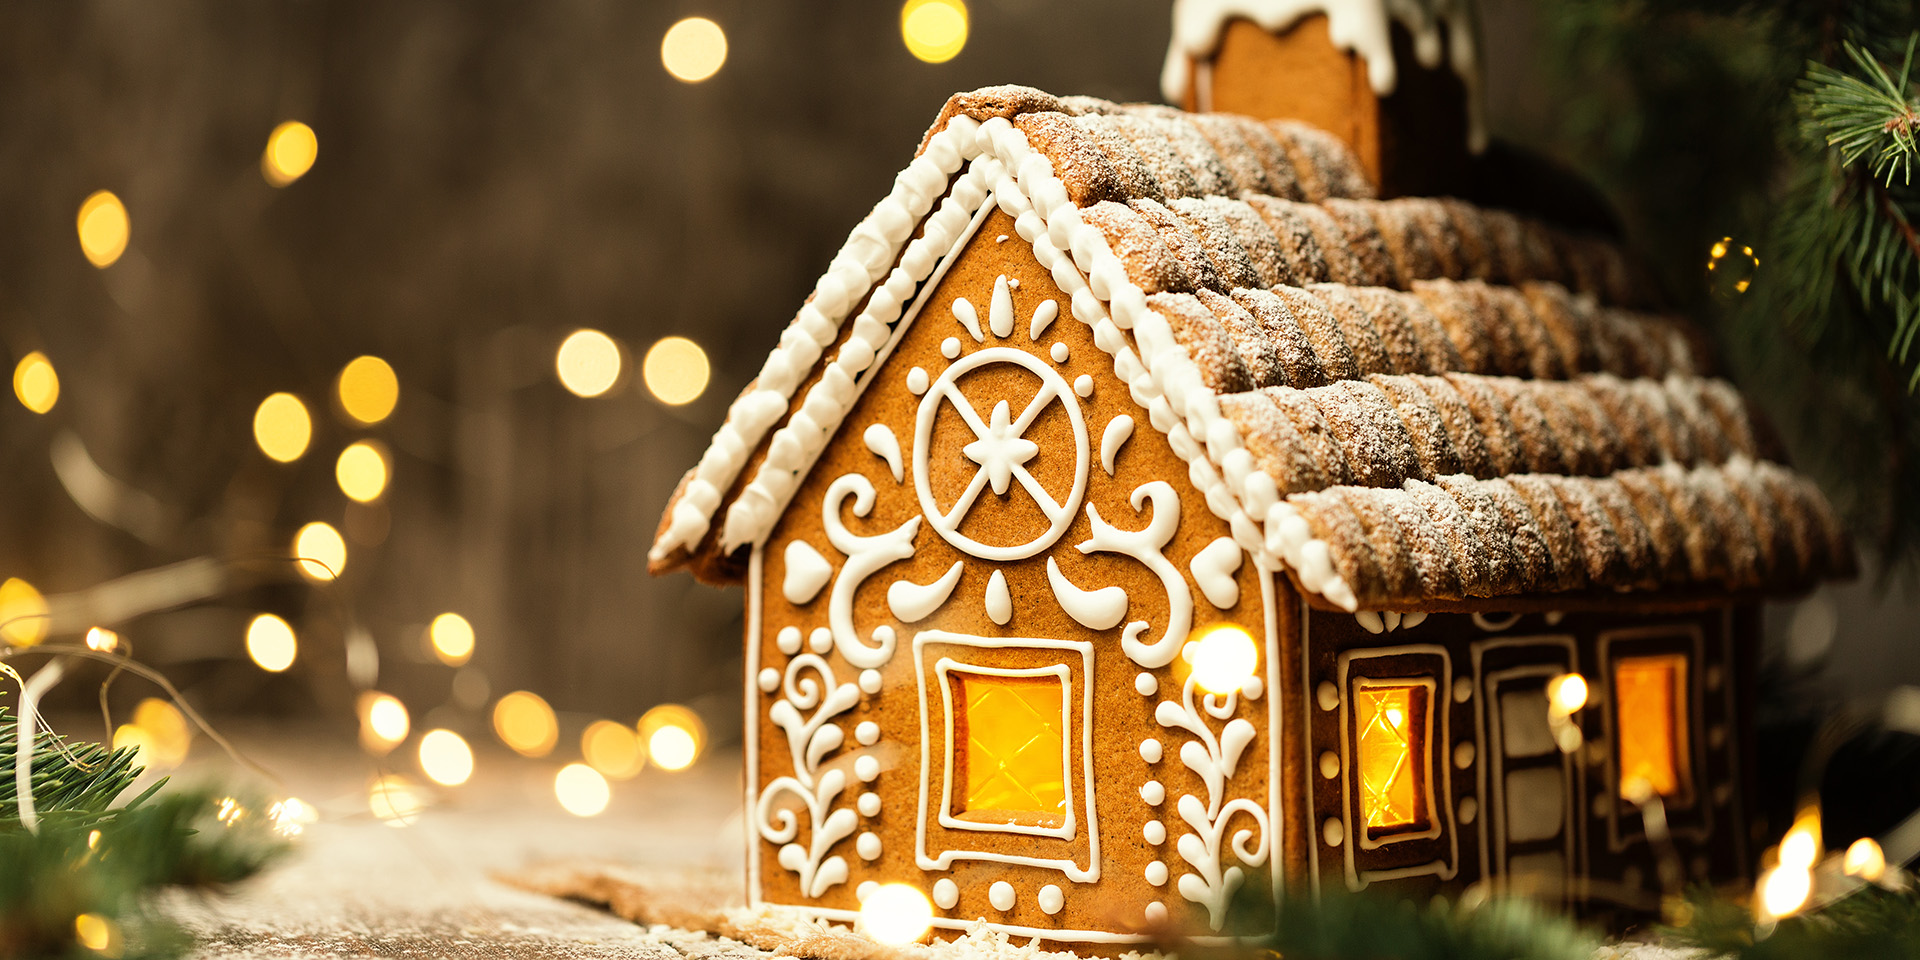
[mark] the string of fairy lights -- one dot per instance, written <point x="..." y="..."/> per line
<point x="588" y="363"/>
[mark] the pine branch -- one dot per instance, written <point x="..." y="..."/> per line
<point x="1865" y="117"/>
<point x="74" y="783"/>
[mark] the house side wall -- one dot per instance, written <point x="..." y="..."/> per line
<point x="1508" y="803"/>
<point x="857" y="564"/>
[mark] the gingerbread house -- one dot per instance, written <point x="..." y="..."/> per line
<point x="1140" y="511"/>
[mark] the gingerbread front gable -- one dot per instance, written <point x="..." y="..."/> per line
<point x="1099" y="384"/>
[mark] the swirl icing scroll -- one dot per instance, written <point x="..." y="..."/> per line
<point x="1094" y="609"/>
<point x="913" y="602"/>
<point x="865" y="557"/>
<point x="1147" y="545"/>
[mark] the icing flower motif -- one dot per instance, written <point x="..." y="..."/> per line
<point x="1001" y="449"/>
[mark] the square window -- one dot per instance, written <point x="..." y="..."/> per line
<point x="1013" y="769"/>
<point x="1650" y="704"/>
<point x="1390" y="734"/>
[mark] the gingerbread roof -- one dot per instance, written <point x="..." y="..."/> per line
<point x="1401" y="403"/>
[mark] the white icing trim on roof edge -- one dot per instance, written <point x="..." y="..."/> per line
<point x="1363" y="27"/>
<point x="1162" y="377"/>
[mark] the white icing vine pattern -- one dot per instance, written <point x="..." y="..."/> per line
<point x="1145" y="545"/>
<point x="1214" y="758"/>
<point x="810" y="737"/>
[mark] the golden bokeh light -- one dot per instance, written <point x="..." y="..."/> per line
<point x="1784" y="890"/>
<point x="1801" y="846"/>
<point x="321" y="551"/>
<point x="383" y="721"/>
<point x="362" y="471"/>
<point x="396" y="800"/>
<point x="368" y="389"/>
<point x="291" y="150"/>
<point x="525" y="723"/>
<point x="588" y="363"/>
<point x="271" y="643"/>
<point x="1566" y="693"/>
<point x="582" y="790"/>
<point x="102" y="640"/>
<point x="612" y="749"/>
<point x="934" y="30"/>
<point x="291" y="816"/>
<point x="23" y="613"/>
<point x="1224" y="657"/>
<point x="103" y="228"/>
<point x="99" y="934"/>
<point x="674" y="736"/>
<point x="896" y="913"/>
<point x="676" y="371"/>
<point x="35" y="383"/>
<point x="694" y="49"/>
<point x="158" y="732"/>
<point x="446" y="758"/>
<point x="1865" y="860"/>
<point x="282" y="427"/>
<point x="452" y="638"/>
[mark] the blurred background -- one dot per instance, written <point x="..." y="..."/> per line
<point x="274" y="265"/>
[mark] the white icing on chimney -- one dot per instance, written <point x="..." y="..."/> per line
<point x="1360" y="26"/>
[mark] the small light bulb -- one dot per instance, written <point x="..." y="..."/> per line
<point x="1567" y="693"/>
<point x="1784" y="890"/>
<point x="896" y="913"/>
<point x="1224" y="658"/>
<point x="1866" y="860"/>
<point x="582" y="791"/>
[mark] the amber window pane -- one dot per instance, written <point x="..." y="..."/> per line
<point x="1390" y="726"/>
<point x="1650" y="703"/>
<point x="1013" y="761"/>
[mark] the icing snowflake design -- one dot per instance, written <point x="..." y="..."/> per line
<point x="1000" y="449"/>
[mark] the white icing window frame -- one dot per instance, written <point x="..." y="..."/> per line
<point x="944" y="669"/>
<point x="1490" y="760"/>
<point x="1695" y="821"/>
<point x="1424" y="756"/>
<point x="1446" y="867"/>
<point x="944" y="859"/>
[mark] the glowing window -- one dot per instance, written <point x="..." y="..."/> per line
<point x="1390" y="725"/>
<point x="1650" y="704"/>
<point x="1014" y="766"/>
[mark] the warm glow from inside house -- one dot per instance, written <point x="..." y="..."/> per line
<point x="1013" y="760"/>
<point x="368" y="389"/>
<point x="1650" y="710"/>
<point x="35" y="383"/>
<point x="1390" y="742"/>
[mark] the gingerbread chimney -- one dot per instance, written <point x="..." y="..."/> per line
<point x="1398" y="80"/>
